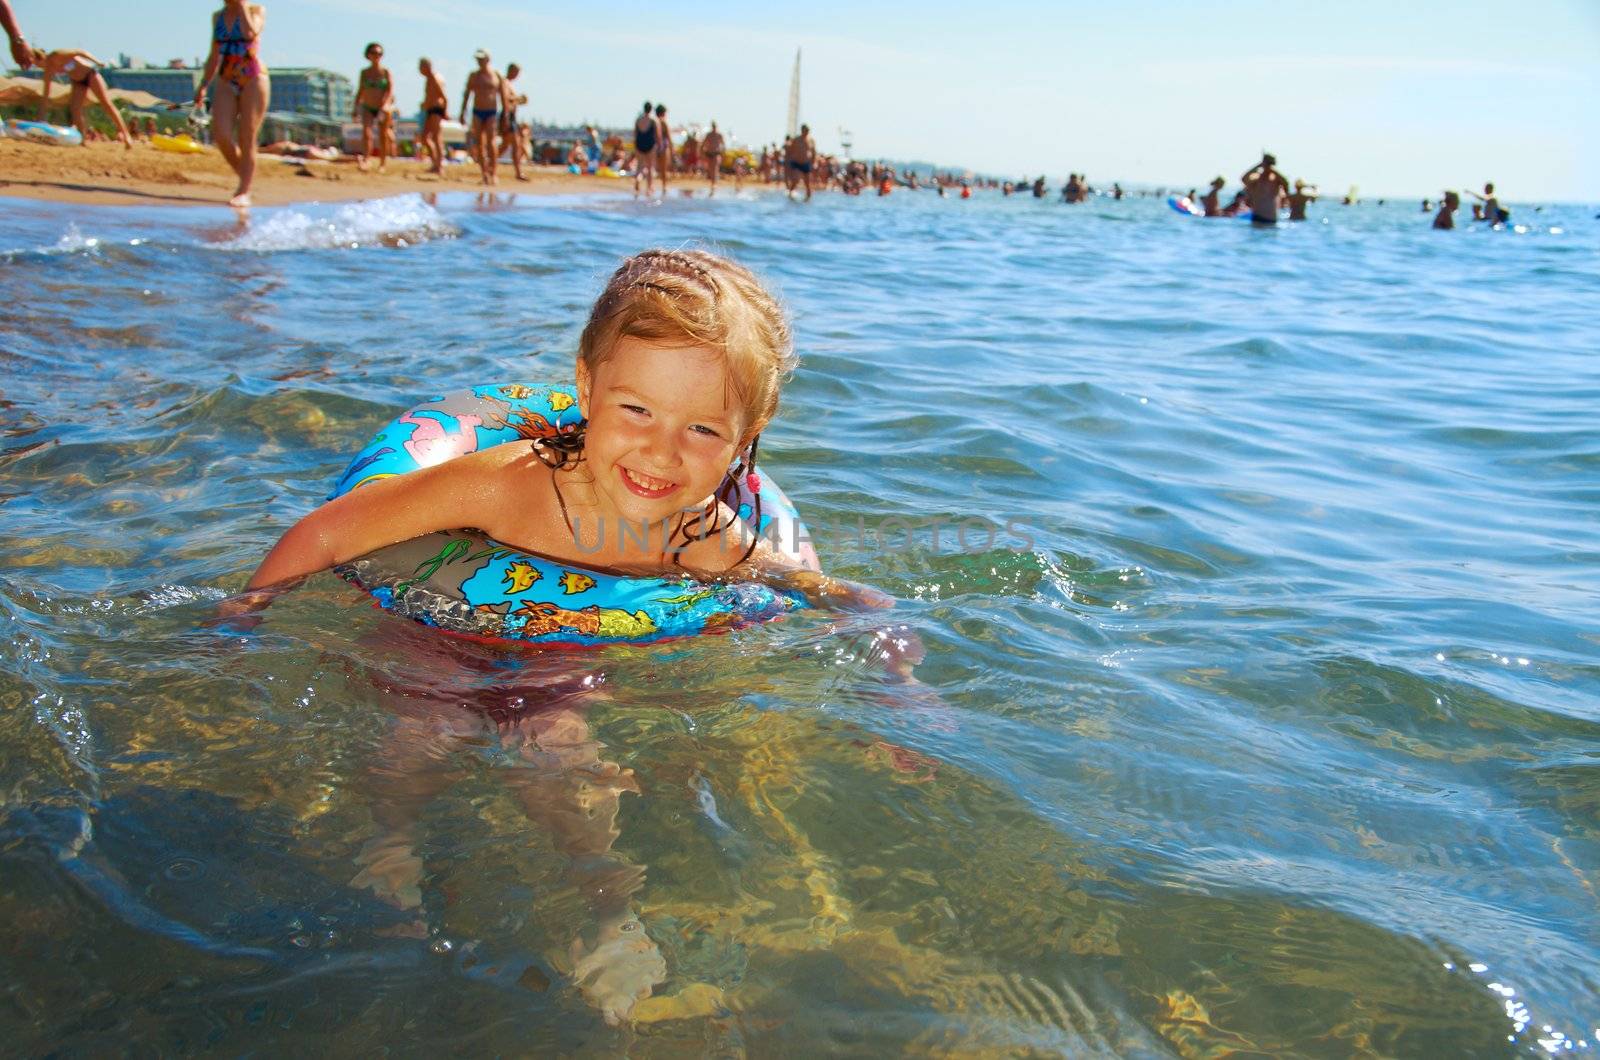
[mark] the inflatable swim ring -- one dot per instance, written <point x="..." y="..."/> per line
<point x="465" y="582"/>
<point x="44" y="133"/>
<point x="1185" y="205"/>
<point x="183" y="145"/>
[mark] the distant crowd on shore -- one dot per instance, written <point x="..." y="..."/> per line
<point x="239" y="91"/>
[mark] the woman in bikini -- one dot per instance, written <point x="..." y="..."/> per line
<point x="82" y="71"/>
<point x="240" y="100"/>
<point x="373" y="94"/>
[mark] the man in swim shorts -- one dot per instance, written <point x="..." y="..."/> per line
<point x="435" y="105"/>
<point x="509" y="131"/>
<point x="1263" y="186"/>
<point x="800" y="153"/>
<point x="484" y="89"/>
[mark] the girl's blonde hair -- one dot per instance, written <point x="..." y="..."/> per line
<point x="694" y="298"/>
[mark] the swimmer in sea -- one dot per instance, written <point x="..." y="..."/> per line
<point x="484" y="91"/>
<point x="1302" y="195"/>
<point x="374" y="91"/>
<point x="1209" y="201"/>
<point x="1263" y="187"/>
<point x="1491" y="210"/>
<point x="1446" y="217"/>
<point x="82" y="71"/>
<point x="644" y="150"/>
<point x="799" y="156"/>
<point x="435" y="105"/>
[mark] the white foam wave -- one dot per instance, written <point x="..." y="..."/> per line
<point x="396" y="222"/>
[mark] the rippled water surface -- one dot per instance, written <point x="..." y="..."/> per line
<point x="1263" y="717"/>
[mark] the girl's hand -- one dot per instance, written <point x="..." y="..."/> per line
<point x="836" y="594"/>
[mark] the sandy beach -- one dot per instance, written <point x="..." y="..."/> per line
<point x="108" y="174"/>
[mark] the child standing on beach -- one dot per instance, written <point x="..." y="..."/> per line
<point x="678" y="373"/>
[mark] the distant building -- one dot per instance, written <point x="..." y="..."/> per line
<point x="173" y="85"/>
<point x="295" y="89"/>
<point x="312" y="91"/>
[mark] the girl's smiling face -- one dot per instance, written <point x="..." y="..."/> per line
<point x="661" y="428"/>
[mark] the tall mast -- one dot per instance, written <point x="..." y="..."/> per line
<point x="794" y="97"/>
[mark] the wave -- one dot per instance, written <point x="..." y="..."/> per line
<point x="398" y="222"/>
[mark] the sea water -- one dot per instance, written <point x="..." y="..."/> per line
<point x="1256" y="573"/>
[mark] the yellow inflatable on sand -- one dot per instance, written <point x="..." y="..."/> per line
<point x="183" y="145"/>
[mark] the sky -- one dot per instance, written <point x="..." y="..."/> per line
<point x="1397" y="97"/>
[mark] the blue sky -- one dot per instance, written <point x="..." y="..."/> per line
<point x="1401" y="97"/>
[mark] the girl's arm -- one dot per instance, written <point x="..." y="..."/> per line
<point x="255" y="17"/>
<point x="378" y="514"/>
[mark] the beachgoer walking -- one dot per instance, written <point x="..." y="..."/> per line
<point x="1263" y="187"/>
<point x="711" y="148"/>
<point x="1302" y="195"/>
<point x="21" y="53"/>
<point x="485" y="92"/>
<point x="243" y="89"/>
<point x="799" y="156"/>
<point x="374" y="91"/>
<point x="510" y="131"/>
<point x="1446" y="217"/>
<point x="691" y="154"/>
<point x="82" y="71"/>
<point x="591" y="147"/>
<point x="644" y="150"/>
<point x="435" y="105"/>
<point x="663" y="146"/>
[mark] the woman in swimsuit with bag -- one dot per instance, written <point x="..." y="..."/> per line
<point x="243" y="90"/>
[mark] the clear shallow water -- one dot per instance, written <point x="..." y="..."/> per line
<point x="1279" y="735"/>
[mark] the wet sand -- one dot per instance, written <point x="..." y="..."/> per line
<point x="106" y="173"/>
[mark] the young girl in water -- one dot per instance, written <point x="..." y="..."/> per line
<point x="678" y="372"/>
